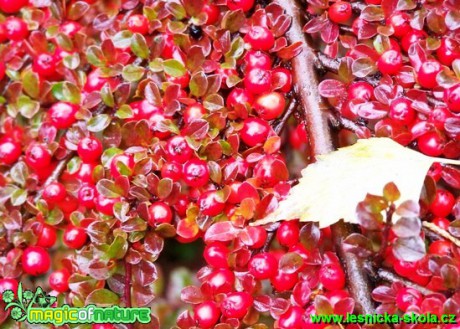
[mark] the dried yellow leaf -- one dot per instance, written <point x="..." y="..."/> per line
<point x="330" y="188"/>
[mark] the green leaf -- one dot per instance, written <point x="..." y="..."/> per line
<point x="98" y="123"/>
<point x="174" y="68"/>
<point x="72" y="61"/>
<point x="109" y="189"/>
<point x="94" y="56"/>
<point x="198" y="84"/>
<point x="66" y="92"/>
<point x="19" y="173"/>
<point x="27" y="107"/>
<point x="122" y="39"/>
<point x="30" y="83"/>
<point x="73" y="165"/>
<point x="124" y="112"/>
<point x="55" y="216"/>
<point x="102" y="298"/>
<point x="18" y="197"/>
<point x="176" y="9"/>
<point x="132" y="73"/>
<point x="109" y="154"/>
<point x="118" y="248"/>
<point x="139" y="46"/>
<point x="107" y="96"/>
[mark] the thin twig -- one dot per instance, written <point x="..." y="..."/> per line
<point x="54" y="175"/>
<point x="282" y="122"/>
<point x="386" y="234"/>
<point x="337" y="121"/>
<point x="441" y="232"/>
<point x="435" y="102"/>
<point x="325" y="62"/>
<point x="306" y="88"/>
<point x="386" y="275"/>
<point x="127" y="291"/>
<point x="358" y="6"/>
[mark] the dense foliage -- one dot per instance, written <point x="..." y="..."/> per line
<point x="128" y="124"/>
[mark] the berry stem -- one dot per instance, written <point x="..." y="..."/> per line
<point x="282" y="122"/>
<point x="54" y="175"/>
<point x="441" y="232"/>
<point x="386" y="234"/>
<point x="306" y="87"/>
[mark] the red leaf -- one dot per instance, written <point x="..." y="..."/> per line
<point x="331" y="88"/>
<point x="222" y="231"/>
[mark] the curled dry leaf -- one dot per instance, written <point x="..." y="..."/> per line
<point x="330" y="188"/>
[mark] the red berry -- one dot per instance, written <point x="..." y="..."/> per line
<point x="206" y="314"/>
<point x="38" y="157"/>
<point x="361" y="89"/>
<point x="16" y="29"/>
<point x="288" y="233"/>
<point x="263" y="266"/>
<point x="448" y="51"/>
<point x="194" y="112"/>
<point x="10" y="152"/>
<point x="244" y="5"/>
<point x="8" y="284"/>
<point x="401" y="110"/>
<point x="45" y="65"/>
<point x="172" y="170"/>
<point x="239" y="96"/>
<point x="340" y="12"/>
<point x="70" y="28"/>
<point x="257" y="235"/>
<point x="47" y="237"/>
<point x="122" y="165"/>
<point x="292" y="318"/>
<point x="441" y="248"/>
<point x="212" y="13"/>
<point x="89" y="149"/>
<point x="270" y="105"/>
<point x="400" y="22"/>
<point x="105" y="205"/>
<point x="255" y="131"/>
<point x="298" y="137"/>
<point x="35" y="261"/>
<point x="257" y="58"/>
<point x="87" y="196"/>
<point x="390" y="62"/>
<point x="59" y="280"/>
<point x="62" y="114"/>
<point x="427" y="73"/>
<point x="54" y="193"/>
<point x="269" y="171"/>
<point x="260" y="38"/>
<point x="216" y="254"/>
<point x="284" y="281"/>
<point x="442" y="204"/>
<point x="236" y="304"/>
<point x="405" y="269"/>
<point x="178" y="150"/>
<point x="220" y="281"/>
<point x="332" y="276"/>
<point x="74" y="237"/>
<point x="282" y="79"/>
<point x="12" y="6"/>
<point x="407" y="297"/>
<point x="138" y="24"/>
<point x="103" y="326"/>
<point x="95" y="82"/>
<point x="441" y="222"/>
<point x="211" y="204"/>
<point x="195" y="173"/>
<point x="452" y="98"/>
<point x="257" y="81"/>
<point x="438" y="116"/>
<point x="159" y="213"/>
<point x="2" y="65"/>
<point x="431" y="144"/>
<point x="412" y="37"/>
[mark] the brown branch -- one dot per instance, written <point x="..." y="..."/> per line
<point x="282" y="122"/>
<point x="325" y="62"/>
<point x="441" y="232"/>
<point x="60" y="167"/>
<point x="337" y="121"/>
<point x="386" y="275"/>
<point x="306" y="87"/>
